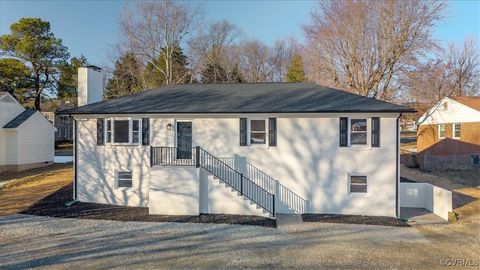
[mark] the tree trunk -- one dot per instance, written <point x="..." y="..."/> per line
<point x="37" y="92"/>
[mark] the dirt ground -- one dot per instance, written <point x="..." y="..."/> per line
<point x="28" y="187"/>
<point x="53" y="188"/>
<point x="35" y="241"/>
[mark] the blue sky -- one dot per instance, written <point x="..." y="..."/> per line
<point x="89" y="27"/>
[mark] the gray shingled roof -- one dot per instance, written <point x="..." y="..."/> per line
<point x="239" y="98"/>
<point x="17" y="121"/>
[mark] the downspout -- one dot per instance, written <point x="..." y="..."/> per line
<point x="74" y="137"/>
<point x="397" y="205"/>
<point x="75" y="195"/>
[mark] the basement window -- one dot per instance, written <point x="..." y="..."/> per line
<point x="124" y="179"/>
<point x="357" y="184"/>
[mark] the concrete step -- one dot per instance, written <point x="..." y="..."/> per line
<point x="289" y="220"/>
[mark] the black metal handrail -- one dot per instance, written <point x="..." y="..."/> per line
<point x="284" y="195"/>
<point x="196" y="156"/>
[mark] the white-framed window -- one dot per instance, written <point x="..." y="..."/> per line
<point x="441" y="131"/>
<point x="358" y="131"/>
<point x="108" y="136"/>
<point x="124" y="179"/>
<point x="258" y="131"/>
<point x="357" y="184"/>
<point x="456" y="130"/>
<point x="123" y="131"/>
<point x="135" y="131"/>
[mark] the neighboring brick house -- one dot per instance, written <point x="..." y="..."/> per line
<point x="448" y="134"/>
<point x="61" y="122"/>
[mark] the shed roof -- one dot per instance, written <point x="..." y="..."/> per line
<point x="17" y="121"/>
<point x="239" y="98"/>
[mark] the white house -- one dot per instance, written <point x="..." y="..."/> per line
<point x="256" y="148"/>
<point x="26" y="137"/>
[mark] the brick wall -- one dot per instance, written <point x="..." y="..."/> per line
<point x="433" y="162"/>
<point x="469" y="142"/>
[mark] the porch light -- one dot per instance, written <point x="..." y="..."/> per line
<point x="169" y="126"/>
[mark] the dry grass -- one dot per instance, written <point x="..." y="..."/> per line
<point x="469" y="178"/>
<point x="29" y="187"/>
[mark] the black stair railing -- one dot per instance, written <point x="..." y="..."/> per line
<point x="197" y="156"/>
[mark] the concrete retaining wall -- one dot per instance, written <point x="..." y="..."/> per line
<point x="423" y="195"/>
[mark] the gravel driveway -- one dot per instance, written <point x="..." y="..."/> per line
<point x="58" y="243"/>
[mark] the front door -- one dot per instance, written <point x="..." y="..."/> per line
<point x="184" y="140"/>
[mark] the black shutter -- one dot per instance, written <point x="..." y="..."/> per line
<point x="272" y="131"/>
<point x="145" y="131"/>
<point x="243" y="131"/>
<point x="100" y="131"/>
<point x="375" y="131"/>
<point x="343" y="131"/>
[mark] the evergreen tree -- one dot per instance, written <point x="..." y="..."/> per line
<point x="295" y="71"/>
<point x="67" y="83"/>
<point x="235" y="75"/>
<point x="214" y="74"/>
<point x="32" y="42"/>
<point x="126" y="77"/>
<point x="15" y="78"/>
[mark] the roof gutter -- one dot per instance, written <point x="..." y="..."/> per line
<point x="234" y="113"/>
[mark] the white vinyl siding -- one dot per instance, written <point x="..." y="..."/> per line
<point x="35" y="140"/>
<point x="31" y="142"/>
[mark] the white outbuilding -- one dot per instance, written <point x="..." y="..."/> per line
<point x="26" y="137"/>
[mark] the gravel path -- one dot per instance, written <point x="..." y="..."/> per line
<point x="58" y="243"/>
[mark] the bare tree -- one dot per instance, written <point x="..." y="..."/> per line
<point x="155" y="30"/>
<point x="464" y="67"/>
<point x="452" y="72"/>
<point x="281" y="55"/>
<point x="427" y="83"/>
<point x="363" y="46"/>
<point x="255" y="61"/>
